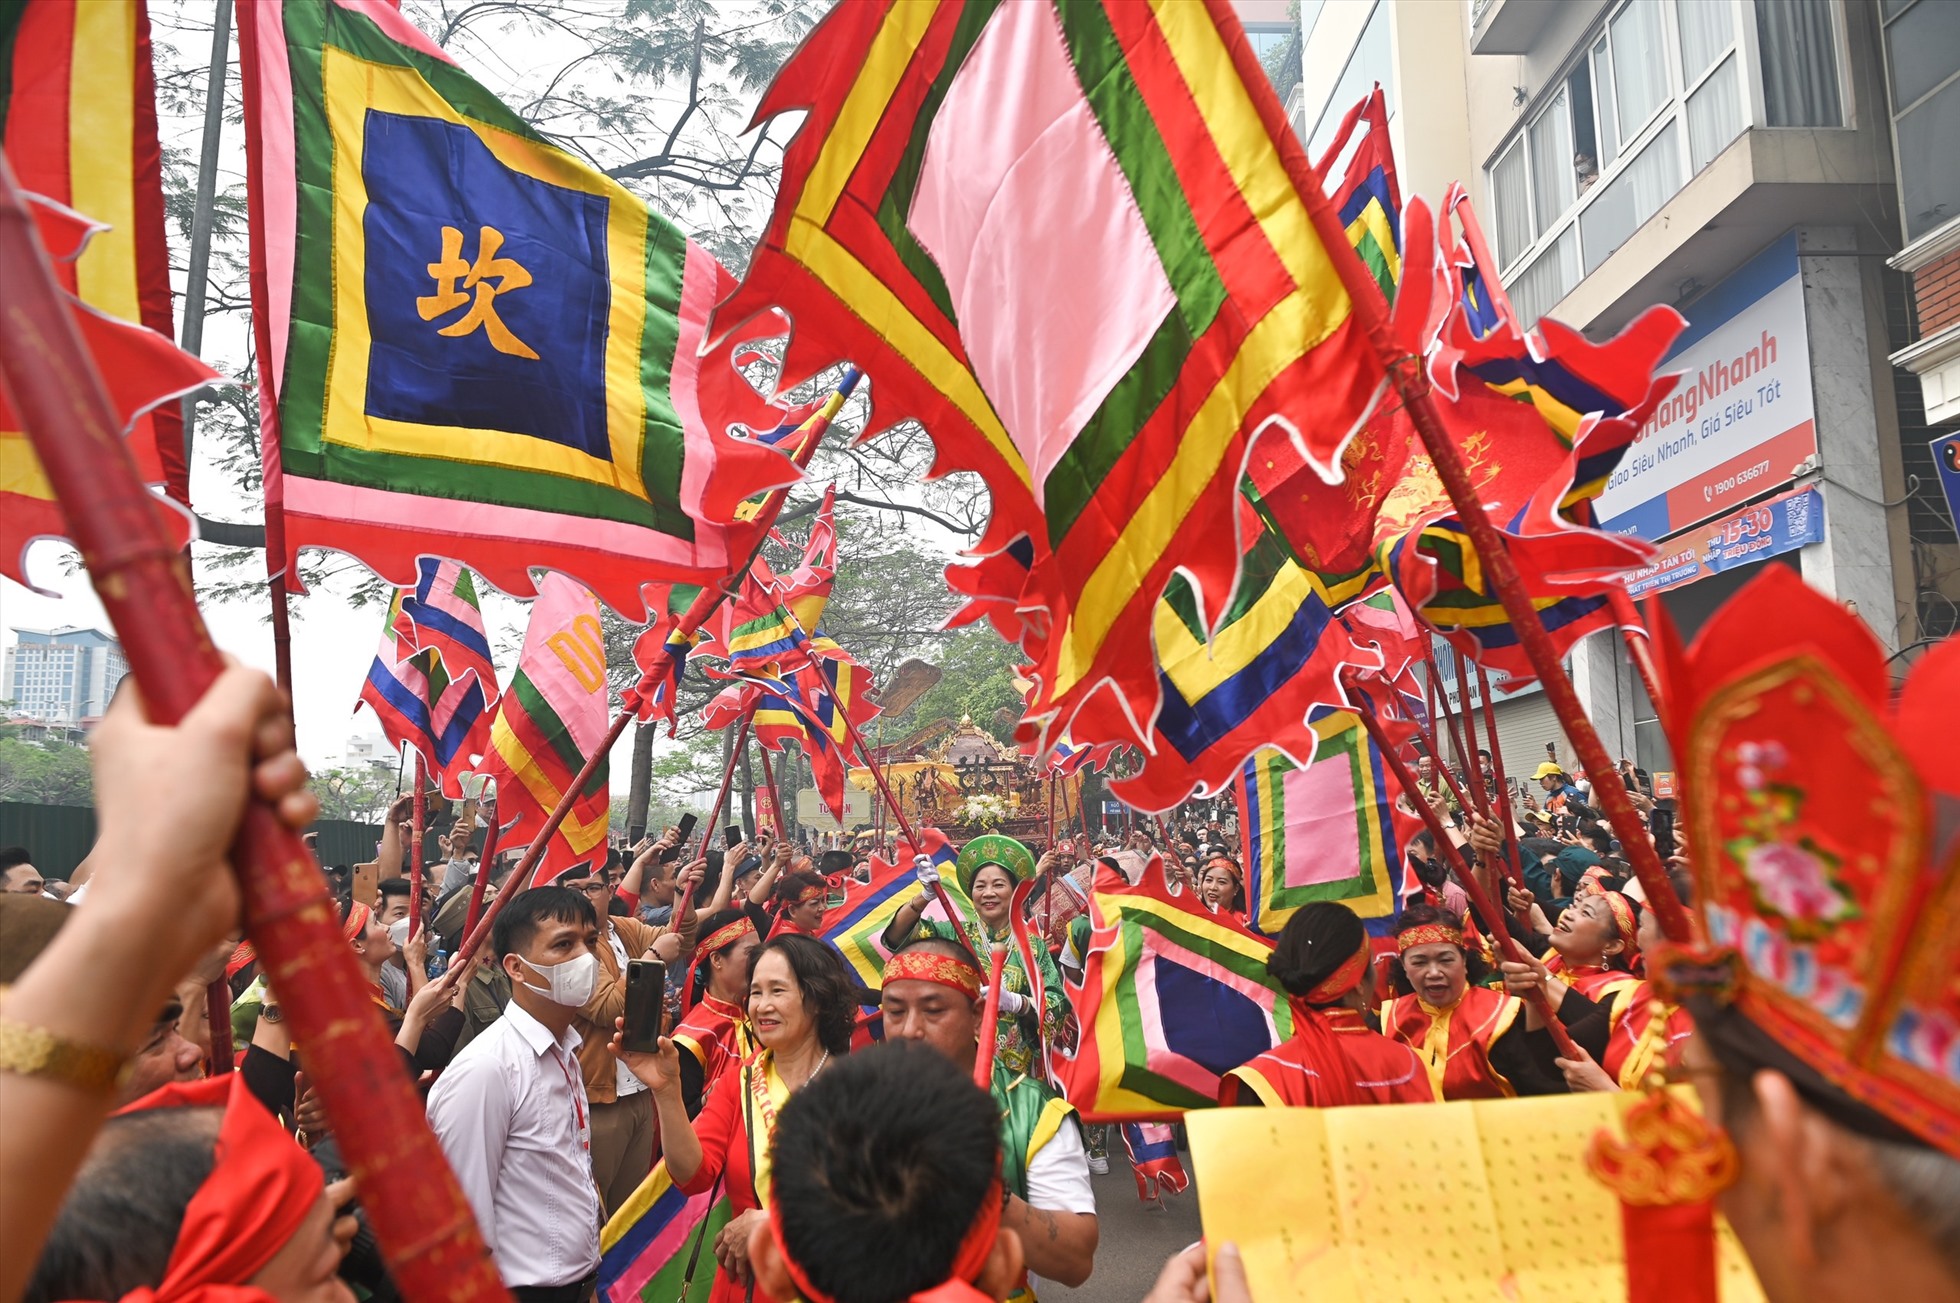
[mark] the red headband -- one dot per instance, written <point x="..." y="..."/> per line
<point x="1231" y="868"/>
<point x="941" y="970"/>
<point x="1343" y="979"/>
<point x="727" y="935"/>
<point x="261" y="1188"/>
<point x="968" y="1262"/>
<point x="1623" y="917"/>
<point x="1428" y="934"/>
<point x="357" y="922"/>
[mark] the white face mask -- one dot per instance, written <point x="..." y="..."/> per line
<point x="571" y="982"/>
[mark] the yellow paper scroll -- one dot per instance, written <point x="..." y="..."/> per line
<point x="1430" y="1203"/>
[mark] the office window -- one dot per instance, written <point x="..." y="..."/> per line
<point x="1371" y="62"/>
<point x="1639" y="65"/>
<point x="1922" y="65"/>
<point x="1800" y="69"/>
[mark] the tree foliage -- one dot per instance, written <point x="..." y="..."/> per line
<point x="362" y="793"/>
<point x="45" y="773"/>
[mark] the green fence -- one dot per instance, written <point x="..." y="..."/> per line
<point x="59" y="836"/>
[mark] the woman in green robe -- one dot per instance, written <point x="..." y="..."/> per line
<point x="990" y="867"/>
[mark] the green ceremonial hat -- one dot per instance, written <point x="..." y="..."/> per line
<point x="994" y="848"/>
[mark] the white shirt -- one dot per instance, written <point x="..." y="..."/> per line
<point x="624" y="1082"/>
<point x="511" y="1115"/>
<point x="1058" y="1181"/>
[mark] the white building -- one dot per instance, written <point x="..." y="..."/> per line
<point x="1736" y="161"/>
<point x="62" y="675"/>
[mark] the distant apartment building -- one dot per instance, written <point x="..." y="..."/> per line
<point x="1767" y="167"/>
<point x="62" y="675"/>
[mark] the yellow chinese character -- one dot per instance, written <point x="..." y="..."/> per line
<point x="508" y="274"/>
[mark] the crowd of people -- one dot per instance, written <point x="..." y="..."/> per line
<point x="855" y="1170"/>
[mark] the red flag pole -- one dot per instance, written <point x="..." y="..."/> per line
<point x="425" y="1226"/>
<point x="1472" y="887"/>
<point x="690" y="622"/>
<point x="1501" y="803"/>
<point x="490" y="838"/>
<point x="217" y="1012"/>
<point x="1406" y="376"/>
<point x="775" y="796"/>
<point x="415" y="831"/>
<point x="1634" y="630"/>
<point x="898" y="814"/>
<point x="983" y="1062"/>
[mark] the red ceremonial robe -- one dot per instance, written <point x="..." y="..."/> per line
<point x="1454" y="1044"/>
<point x="1352" y="1064"/>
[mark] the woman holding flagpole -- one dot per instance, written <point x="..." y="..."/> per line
<point x="801" y="1009"/>
<point x="990" y="867"/>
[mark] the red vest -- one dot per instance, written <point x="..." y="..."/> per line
<point x="1647" y="1036"/>
<point x="711" y="1032"/>
<point x="1454" y="1044"/>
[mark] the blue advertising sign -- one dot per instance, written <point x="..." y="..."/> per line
<point x="1946" y="456"/>
<point x="1753" y="534"/>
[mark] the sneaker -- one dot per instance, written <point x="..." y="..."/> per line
<point x="1099" y="1164"/>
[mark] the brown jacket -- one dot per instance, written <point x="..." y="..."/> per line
<point x="595" y="1020"/>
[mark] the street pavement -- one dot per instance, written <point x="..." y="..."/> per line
<point x="1136" y="1237"/>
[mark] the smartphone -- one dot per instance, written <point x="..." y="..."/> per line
<point x="731" y="836"/>
<point x="646" y="998"/>
<point x="686" y="826"/>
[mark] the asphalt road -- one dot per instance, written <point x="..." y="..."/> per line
<point x="1136" y="1236"/>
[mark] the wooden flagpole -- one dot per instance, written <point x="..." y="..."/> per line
<point x="424" y="1224"/>
<point x="775" y="796"/>
<point x="491" y="834"/>
<point x="415" y="833"/>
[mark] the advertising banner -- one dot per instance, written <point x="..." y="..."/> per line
<point x="1742" y="417"/>
<point x="1753" y="534"/>
<point x="812" y="813"/>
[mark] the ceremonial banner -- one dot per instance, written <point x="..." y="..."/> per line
<point x="421" y="698"/>
<point x="1080" y="243"/>
<point x="78" y="125"/>
<point x="1332" y="829"/>
<point x="1368" y="199"/>
<point x="856" y="925"/>
<point x="443" y="612"/>
<point x="1505" y="1180"/>
<point x="646" y="1247"/>
<point x="471" y="343"/>
<point x="1172" y="998"/>
<point x="552" y="718"/>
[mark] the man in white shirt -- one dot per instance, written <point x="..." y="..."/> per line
<point x="931" y="993"/>
<point x="511" y="1111"/>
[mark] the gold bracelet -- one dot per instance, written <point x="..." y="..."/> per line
<point x="28" y="1051"/>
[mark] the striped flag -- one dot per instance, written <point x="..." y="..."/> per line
<point x="856" y="925"/>
<point x="647" y="1246"/>
<point x="1368" y="200"/>
<point x="442" y="612"/>
<point x="1172" y="998"/>
<point x="497" y="360"/>
<point x="1106" y="379"/>
<point x="78" y="125"/>
<point x="420" y="699"/>
<point x="1152" y="1147"/>
<point x="804" y="709"/>
<point x="1330" y="829"/>
<point x="551" y="720"/>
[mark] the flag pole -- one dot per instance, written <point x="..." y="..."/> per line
<point x="425" y="1226"/>
<point x="775" y="797"/>
<point x="689" y="623"/>
<point x="728" y="778"/>
<point x="904" y="824"/>
<point x="1405" y="375"/>
<point x="1472" y="886"/>
<point x="1639" y="646"/>
<point x="1502" y="801"/>
<point x="490" y="837"/>
<point x="415" y="832"/>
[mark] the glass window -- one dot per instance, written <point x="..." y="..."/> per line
<point x="1929" y="183"/>
<point x="1371" y="62"/>
<point x="1707" y="31"/>
<point x="1513" y="204"/>
<point x="1639" y="65"/>
<point x="1922" y="49"/>
<point x="1552" y="163"/>
<point x="1550" y="278"/>
<point x="1799" y="53"/>
<point x="1585" y="141"/>
<point x="1714" y="115"/>
<point x="1630" y="198"/>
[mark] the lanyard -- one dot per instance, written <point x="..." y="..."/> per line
<point x="578" y="1103"/>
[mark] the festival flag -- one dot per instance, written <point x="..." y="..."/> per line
<point x="422" y="700"/>
<point x="551" y="720"/>
<point x="656" y="1236"/>
<point x="1152" y="1147"/>
<point x="471" y="343"/>
<point x="856" y="925"/>
<point x="804" y="710"/>
<point x="928" y="215"/>
<point x="1368" y="200"/>
<point x="78" y="126"/>
<point x="442" y="612"/>
<point x="1330" y="829"/>
<point x="1172" y="998"/>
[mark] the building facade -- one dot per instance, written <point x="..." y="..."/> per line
<point x="1737" y="161"/>
<point x="62" y="676"/>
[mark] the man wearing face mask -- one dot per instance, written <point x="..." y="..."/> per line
<point x="511" y="1111"/>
